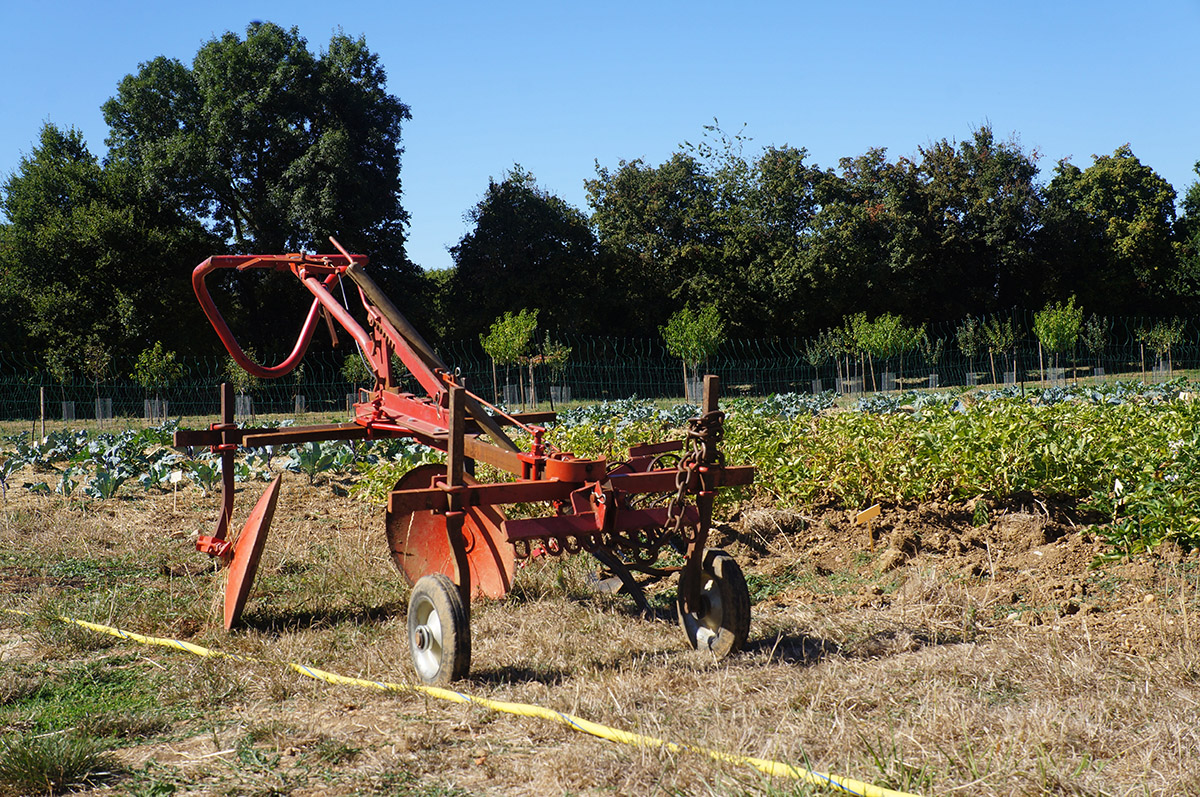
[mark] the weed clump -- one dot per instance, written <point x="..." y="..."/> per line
<point x="52" y="764"/>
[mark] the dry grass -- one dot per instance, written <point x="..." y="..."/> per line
<point x="900" y="669"/>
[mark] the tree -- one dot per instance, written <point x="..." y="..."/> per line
<point x="355" y="370"/>
<point x="1057" y="326"/>
<point x="157" y="369"/>
<point x="1094" y="336"/>
<point x="656" y="225"/>
<point x="978" y="214"/>
<point x="885" y="337"/>
<point x="853" y="259"/>
<point x="693" y="336"/>
<point x="1108" y="231"/>
<point x="90" y="254"/>
<point x="507" y="341"/>
<point x="528" y="246"/>
<point x="1187" y="240"/>
<point x="1162" y="337"/>
<point x="1000" y="338"/>
<point x="276" y="149"/>
<point x="969" y="337"/>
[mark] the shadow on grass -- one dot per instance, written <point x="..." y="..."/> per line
<point x="798" y="648"/>
<point x="793" y="648"/>
<point x="496" y="676"/>
<point x="279" y="621"/>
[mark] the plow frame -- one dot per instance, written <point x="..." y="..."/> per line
<point x="451" y="526"/>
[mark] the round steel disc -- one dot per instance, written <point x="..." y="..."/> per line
<point x="246" y="552"/>
<point x="420" y="542"/>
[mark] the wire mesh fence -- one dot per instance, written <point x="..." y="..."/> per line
<point x="601" y="368"/>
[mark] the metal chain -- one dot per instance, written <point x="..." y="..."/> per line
<point x="704" y="437"/>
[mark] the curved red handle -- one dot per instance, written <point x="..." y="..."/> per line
<point x="331" y="266"/>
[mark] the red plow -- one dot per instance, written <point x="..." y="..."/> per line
<point x="447" y="532"/>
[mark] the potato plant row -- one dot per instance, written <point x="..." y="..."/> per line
<point x="1124" y="455"/>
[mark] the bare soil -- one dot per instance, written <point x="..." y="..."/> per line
<point x="938" y="649"/>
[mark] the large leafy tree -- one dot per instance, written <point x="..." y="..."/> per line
<point x="775" y="239"/>
<point x="90" y="258"/>
<point x="275" y="148"/>
<point x="857" y="256"/>
<point x="528" y="248"/>
<point x="662" y="234"/>
<point x="1187" y="235"/>
<point x="1109" y="229"/>
<point x="982" y="209"/>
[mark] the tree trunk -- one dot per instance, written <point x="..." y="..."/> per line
<point x="1041" y="364"/>
<point x="992" y="357"/>
<point x="495" y="384"/>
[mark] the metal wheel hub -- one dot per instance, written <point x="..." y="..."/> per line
<point x="710" y="615"/>
<point x="427" y="640"/>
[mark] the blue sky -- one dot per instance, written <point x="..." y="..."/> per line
<point x="558" y="86"/>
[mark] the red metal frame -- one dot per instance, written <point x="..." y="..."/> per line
<point x="591" y="501"/>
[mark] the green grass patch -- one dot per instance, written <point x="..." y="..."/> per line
<point x="116" y="697"/>
<point x="35" y="764"/>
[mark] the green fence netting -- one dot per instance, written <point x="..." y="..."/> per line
<point x="602" y="368"/>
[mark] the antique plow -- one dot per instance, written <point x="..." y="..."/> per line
<point x="447" y="532"/>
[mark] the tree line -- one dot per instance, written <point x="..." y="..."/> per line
<point x="261" y="145"/>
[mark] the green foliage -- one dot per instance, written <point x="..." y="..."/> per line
<point x="1094" y="334"/>
<point x="54" y="764"/>
<point x="694" y="336"/>
<point x="555" y="357"/>
<point x="242" y="380"/>
<point x="526" y="244"/>
<point x="826" y="346"/>
<point x="884" y="336"/>
<point x="377" y="479"/>
<point x="509" y="336"/>
<point x="105" y="482"/>
<point x="931" y="349"/>
<point x="355" y="370"/>
<point x="999" y="336"/>
<point x="998" y="447"/>
<point x="1057" y="325"/>
<point x="311" y="459"/>
<point x="81" y="256"/>
<point x="312" y="141"/>
<point x="1113" y="221"/>
<point x="206" y="474"/>
<point x="970" y="337"/>
<point x="156" y="369"/>
<point x="1163" y="335"/>
<point x="95" y="359"/>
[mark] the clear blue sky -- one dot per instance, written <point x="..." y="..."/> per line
<point x="556" y="86"/>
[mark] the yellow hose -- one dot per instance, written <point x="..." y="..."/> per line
<point x="772" y="768"/>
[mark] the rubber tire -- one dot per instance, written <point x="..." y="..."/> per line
<point x="725" y="624"/>
<point x="447" y="657"/>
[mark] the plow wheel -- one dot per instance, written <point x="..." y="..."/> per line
<point x="439" y="631"/>
<point x="722" y="623"/>
<point x="247" y="550"/>
<point x="420" y="542"/>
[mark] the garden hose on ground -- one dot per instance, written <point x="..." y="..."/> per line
<point x="772" y="768"/>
